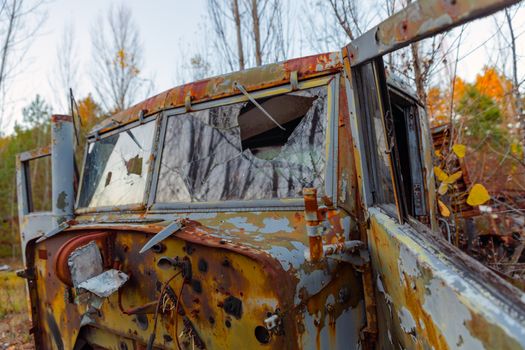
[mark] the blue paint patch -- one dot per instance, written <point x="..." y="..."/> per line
<point x="242" y="223"/>
<point x="275" y="225"/>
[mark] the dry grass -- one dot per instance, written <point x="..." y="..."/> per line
<point x="14" y="317"/>
<point x="12" y="294"/>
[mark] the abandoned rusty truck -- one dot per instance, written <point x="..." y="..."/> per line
<point x="289" y="206"/>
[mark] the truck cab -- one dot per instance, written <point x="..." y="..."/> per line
<point x="288" y="206"/>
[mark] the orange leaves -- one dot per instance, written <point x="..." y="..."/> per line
<point x="443" y="209"/>
<point x="125" y="62"/>
<point x="493" y="84"/>
<point x="437" y="105"/>
<point x="89" y="111"/>
<point x="121" y="59"/>
<point x="459" y="88"/>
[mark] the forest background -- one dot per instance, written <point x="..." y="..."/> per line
<point x="481" y="113"/>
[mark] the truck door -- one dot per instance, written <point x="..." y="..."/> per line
<point x="428" y="293"/>
<point x="33" y="178"/>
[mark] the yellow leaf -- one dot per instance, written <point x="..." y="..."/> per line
<point x="443" y="188"/>
<point x="515" y="149"/>
<point x="438" y="153"/>
<point x="478" y="195"/>
<point x="121" y="57"/>
<point x="440" y="174"/>
<point x="443" y="209"/>
<point x="460" y="150"/>
<point x="453" y="178"/>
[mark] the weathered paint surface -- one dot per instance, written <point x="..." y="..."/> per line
<point x="419" y="20"/>
<point x="63" y="167"/>
<point x="223" y="86"/>
<point x="258" y="258"/>
<point x="426" y="301"/>
<point x="249" y="267"/>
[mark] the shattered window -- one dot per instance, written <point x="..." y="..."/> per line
<point x="116" y="168"/>
<point x="236" y="152"/>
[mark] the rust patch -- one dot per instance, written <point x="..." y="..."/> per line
<point x="497" y="339"/>
<point x="258" y="78"/>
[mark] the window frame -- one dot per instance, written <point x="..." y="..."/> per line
<point x="364" y="135"/>
<point x="413" y="100"/>
<point x="154" y="149"/>
<point x="331" y="151"/>
<point x="26" y="194"/>
<point x="384" y="88"/>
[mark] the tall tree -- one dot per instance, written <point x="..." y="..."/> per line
<point x="117" y="60"/>
<point x="238" y="33"/>
<point x="331" y="24"/>
<point x="236" y="22"/>
<point x="36" y="114"/>
<point x="344" y="20"/>
<point x="515" y="80"/>
<point x="19" y="23"/>
<point x="66" y="73"/>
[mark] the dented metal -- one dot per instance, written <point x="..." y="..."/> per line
<point x="205" y="254"/>
<point x="162" y="235"/>
<point x="419" y="20"/>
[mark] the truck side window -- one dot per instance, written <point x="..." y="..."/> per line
<point x="38" y="172"/>
<point x="390" y="128"/>
<point x="405" y="118"/>
<point x="375" y="137"/>
<point x="235" y="152"/>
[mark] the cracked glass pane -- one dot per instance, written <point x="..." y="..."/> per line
<point x="235" y="152"/>
<point x="116" y="168"/>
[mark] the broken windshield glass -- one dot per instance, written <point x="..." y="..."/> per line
<point x="235" y="152"/>
<point x="116" y="168"/>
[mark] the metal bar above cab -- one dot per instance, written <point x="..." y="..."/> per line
<point x="419" y="20"/>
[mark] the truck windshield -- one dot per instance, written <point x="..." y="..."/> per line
<point x="116" y="167"/>
<point x="235" y="152"/>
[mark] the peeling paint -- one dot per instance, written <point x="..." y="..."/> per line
<point x="272" y="225"/>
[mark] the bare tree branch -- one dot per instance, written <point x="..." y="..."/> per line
<point x="117" y="60"/>
<point x="19" y="22"/>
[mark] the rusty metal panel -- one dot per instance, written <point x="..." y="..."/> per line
<point x="431" y="295"/>
<point x="419" y="20"/>
<point x="263" y="77"/>
<point x="63" y="167"/>
<point x="255" y="259"/>
<point x="36" y="153"/>
<point x="31" y="225"/>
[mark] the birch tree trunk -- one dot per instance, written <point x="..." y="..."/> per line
<point x="237" y="19"/>
<point x="256" y="33"/>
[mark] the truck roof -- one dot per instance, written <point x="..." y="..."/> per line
<point x="220" y="86"/>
